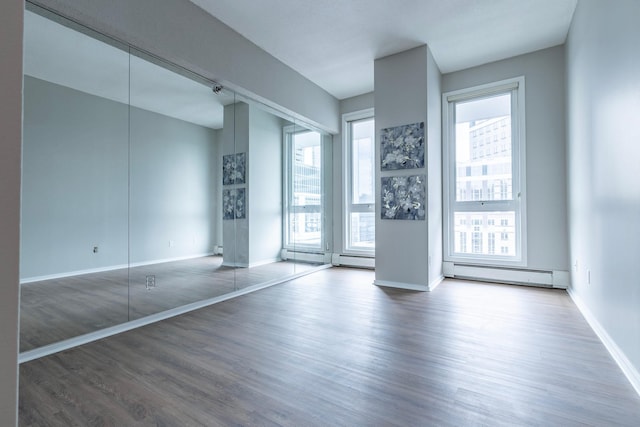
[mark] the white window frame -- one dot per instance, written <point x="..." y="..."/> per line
<point x="287" y="137"/>
<point x="517" y="87"/>
<point x="347" y="173"/>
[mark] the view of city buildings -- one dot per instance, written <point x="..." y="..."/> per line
<point x="484" y="173"/>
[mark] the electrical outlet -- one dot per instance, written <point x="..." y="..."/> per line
<point x="150" y="282"/>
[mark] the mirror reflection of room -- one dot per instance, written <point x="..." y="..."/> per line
<point x="144" y="189"/>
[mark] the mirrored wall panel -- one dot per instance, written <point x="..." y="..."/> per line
<point x="147" y="188"/>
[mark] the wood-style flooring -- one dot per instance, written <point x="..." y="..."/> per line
<point x="331" y="349"/>
<point x="58" y="309"/>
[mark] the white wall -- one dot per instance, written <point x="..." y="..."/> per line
<point x="180" y="32"/>
<point x="11" y="24"/>
<point x="434" y="170"/>
<point x="603" y="103"/>
<point x="402" y="246"/>
<point x="547" y="247"/>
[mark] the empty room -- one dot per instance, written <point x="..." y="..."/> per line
<point x="319" y="213"/>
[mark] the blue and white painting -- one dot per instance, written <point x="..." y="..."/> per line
<point x="402" y="147"/>
<point x="403" y="197"/>
<point x="233" y="169"/>
<point x="234" y="204"/>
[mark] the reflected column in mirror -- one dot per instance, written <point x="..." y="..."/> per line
<point x="73" y="261"/>
<point x="257" y="185"/>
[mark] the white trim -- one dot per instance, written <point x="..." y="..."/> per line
<point x="516" y="84"/>
<point x="401" y="285"/>
<point x="482" y="90"/>
<point x="287" y="190"/>
<point x="353" y="261"/>
<point x="435" y="283"/>
<point x="504" y="275"/>
<point x="347" y="179"/>
<point x="110" y="268"/>
<point x="632" y="374"/>
<point x="288" y="254"/>
<point x="251" y="264"/>
<point x="47" y="350"/>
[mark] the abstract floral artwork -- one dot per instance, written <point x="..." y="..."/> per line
<point x="402" y="147"/>
<point x="234" y="204"/>
<point x="403" y="197"/>
<point x="233" y="169"/>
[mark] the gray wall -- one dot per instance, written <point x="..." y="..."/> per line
<point x="173" y="195"/>
<point x="546" y="193"/>
<point x="76" y="177"/>
<point x="603" y="105"/>
<point x="265" y="186"/>
<point x="209" y="48"/>
<point x="74" y="181"/>
<point x="11" y="24"/>
<point x="402" y="246"/>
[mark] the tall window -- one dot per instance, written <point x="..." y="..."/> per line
<point x="359" y="170"/>
<point x="303" y="188"/>
<point x="484" y="160"/>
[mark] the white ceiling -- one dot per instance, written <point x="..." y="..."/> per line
<point x="335" y="42"/>
<point x="60" y="55"/>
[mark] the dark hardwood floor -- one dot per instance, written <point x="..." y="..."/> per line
<point x="58" y="309"/>
<point x="331" y="349"/>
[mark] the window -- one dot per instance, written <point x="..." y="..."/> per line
<point x="493" y="187"/>
<point x="359" y="169"/>
<point x="492" y="243"/>
<point x="303" y="188"/>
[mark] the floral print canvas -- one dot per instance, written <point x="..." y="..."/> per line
<point x="233" y="169"/>
<point x="403" y="197"/>
<point x="234" y="204"/>
<point x="402" y="147"/>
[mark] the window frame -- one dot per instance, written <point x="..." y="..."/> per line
<point x="347" y="173"/>
<point x="515" y="86"/>
<point x="289" y="208"/>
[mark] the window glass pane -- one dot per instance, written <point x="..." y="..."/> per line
<point x="362" y="143"/>
<point x="485" y="233"/>
<point x="483" y="149"/>
<point x="305" y="228"/>
<point x="307" y="177"/>
<point x="363" y="233"/>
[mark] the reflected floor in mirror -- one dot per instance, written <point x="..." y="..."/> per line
<point x="58" y="309"/>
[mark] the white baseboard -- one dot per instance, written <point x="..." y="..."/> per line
<point x="250" y="264"/>
<point x="353" y="261"/>
<point x="109" y="268"/>
<point x="435" y="283"/>
<point x="321" y="258"/>
<point x="401" y="285"/>
<point x="618" y="355"/>
<point x="518" y="276"/>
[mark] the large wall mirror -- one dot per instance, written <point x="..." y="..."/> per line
<point x="147" y="188"/>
